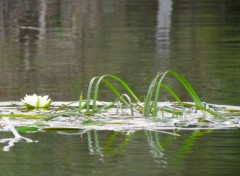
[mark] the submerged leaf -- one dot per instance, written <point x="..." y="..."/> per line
<point x="26" y="129"/>
<point x="60" y="128"/>
<point x="91" y="122"/>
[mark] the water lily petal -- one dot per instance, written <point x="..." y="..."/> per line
<point x="43" y="100"/>
<point x="35" y="101"/>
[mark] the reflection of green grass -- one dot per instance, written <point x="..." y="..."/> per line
<point x="156" y="149"/>
<point x="190" y="141"/>
<point x="111" y="148"/>
<point x="159" y="145"/>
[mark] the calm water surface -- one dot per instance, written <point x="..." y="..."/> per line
<point x="55" y="47"/>
<point x="140" y="153"/>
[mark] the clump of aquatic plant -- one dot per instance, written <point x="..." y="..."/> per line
<point x="90" y="111"/>
<point x="36" y="101"/>
<point x="153" y="95"/>
<point x="150" y="106"/>
<point x="93" y="90"/>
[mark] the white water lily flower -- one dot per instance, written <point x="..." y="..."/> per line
<point x="35" y="101"/>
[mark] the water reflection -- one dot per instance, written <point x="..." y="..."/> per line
<point x="141" y="152"/>
<point x="117" y="143"/>
<point x="55" y="47"/>
<point x="93" y="144"/>
<point x="156" y="150"/>
<point x="163" y="28"/>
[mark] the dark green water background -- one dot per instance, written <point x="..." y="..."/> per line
<point x="55" y="47"/>
<point x="111" y="153"/>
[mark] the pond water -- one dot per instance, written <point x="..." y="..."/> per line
<point x="55" y="47"/>
<point x="209" y="152"/>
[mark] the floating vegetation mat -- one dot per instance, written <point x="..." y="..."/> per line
<point x="66" y="116"/>
<point x="126" y="113"/>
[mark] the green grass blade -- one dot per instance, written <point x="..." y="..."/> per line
<point x="25" y="116"/>
<point x="202" y="108"/>
<point x="157" y="83"/>
<point x="129" y="104"/>
<point x="112" y="88"/>
<point x="147" y="102"/>
<point x="187" y="86"/>
<point x="127" y="88"/>
<point x="80" y="102"/>
<point x="157" y="93"/>
<point x="89" y="92"/>
<point x="175" y="96"/>
<point x="116" y="92"/>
